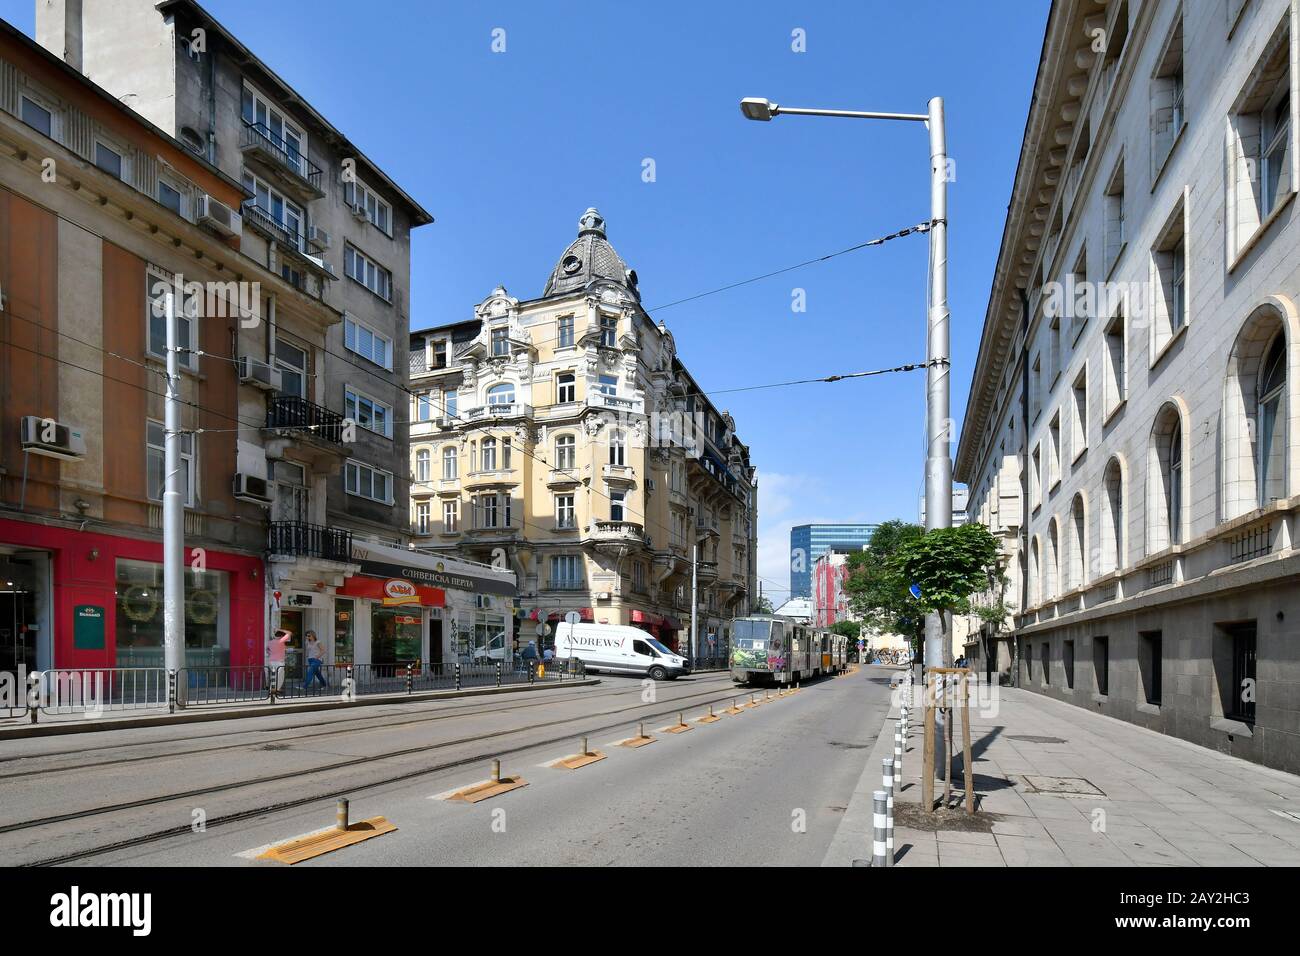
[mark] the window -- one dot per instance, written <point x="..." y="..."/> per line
<point x="1164" y="504"/>
<point x="489" y="455"/>
<point x="616" y="502"/>
<point x="565" y="516"/>
<point x="369" y="273"/>
<point x="292" y="363"/>
<point x="565" y="452"/>
<point x="505" y="454"/>
<point x="364" y="481"/>
<point x="1067" y="659"/>
<point x="450" y="513"/>
<point x="1175" y="488"/>
<point x="1054" y="452"/>
<point x="271" y="123"/>
<point x="1115" y="364"/>
<point x="1114" y="236"/>
<point x="1079" y="426"/>
<point x="170" y="197"/>
<point x="424" y="406"/>
<point x="564" y="331"/>
<point x="617" y="448"/>
<point x="1084" y="301"/>
<point x="1052" y="572"/>
<point x="566" y="572"/>
<point x="108" y="159"/>
<point x="440" y="354"/>
<point x="37" y="117"/>
<point x="608" y="385"/>
<point x="449" y="403"/>
<point x="492" y="511"/>
<point x="156" y="458"/>
<point x="367" y="343"/>
<point x="1151" y="665"/>
<point x="1112" y="519"/>
<point x="1235" y="669"/>
<point x="449" y="462"/>
<point x="1167" y="107"/>
<point x="1054" y="343"/>
<point x="503" y="394"/>
<point x="1261" y="152"/>
<point x="1270" y="424"/>
<point x="609" y="331"/>
<point x="1045" y="658"/>
<point x="1036" y="389"/>
<point x="423" y="465"/>
<point x="268" y="203"/>
<point x="422" y="512"/>
<point x="360" y="196"/>
<point x="1078" y="562"/>
<point x="1036" y="479"/>
<point x="638" y="576"/>
<point x="367" y="412"/>
<point x="566" y="389"/>
<point x="1101" y="664"/>
<point x="157" y="286"/>
<point x="1169" y="282"/>
<point x="500" y="342"/>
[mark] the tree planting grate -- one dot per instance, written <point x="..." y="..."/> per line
<point x="1062" y="786"/>
<point x="1031" y="739"/>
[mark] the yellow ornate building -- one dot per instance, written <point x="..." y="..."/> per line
<point x="562" y="437"/>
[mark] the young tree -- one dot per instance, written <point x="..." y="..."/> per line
<point x="877" y="591"/>
<point x="762" y="606"/>
<point x="948" y="565"/>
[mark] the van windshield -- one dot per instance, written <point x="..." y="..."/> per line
<point x="658" y="647"/>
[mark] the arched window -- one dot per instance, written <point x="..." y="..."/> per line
<point x="1271" y="424"/>
<point x="449" y="462"/>
<point x="1166" y="480"/>
<point x="1036" y="572"/>
<point x="422" y="461"/>
<point x="503" y="394"/>
<point x="1112" y="518"/>
<point x="489" y="454"/>
<point x="617" y="446"/>
<point x="1078" y="544"/>
<point x="566" y="457"/>
<point x="1052" y="573"/>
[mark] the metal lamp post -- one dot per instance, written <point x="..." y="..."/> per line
<point x="938" y="465"/>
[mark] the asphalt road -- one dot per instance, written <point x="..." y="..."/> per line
<point x="767" y="786"/>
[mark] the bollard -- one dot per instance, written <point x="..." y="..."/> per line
<point x="532" y="671"/>
<point x="458" y="675"/>
<point x="710" y="710"/>
<point x="408" y="678"/>
<point x="751" y="700"/>
<point x="888" y="781"/>
<point x="640" y="730"/>
<point x="879" y="822"/>
<point x="496" y="771"/>
<point x="171" y="692"/>
<point x="341" y="814"/>
<point x="585" y="751"/>
<point x="680" y="722"/>
<point x="498" y="673"/>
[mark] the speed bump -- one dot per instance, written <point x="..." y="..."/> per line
<point x="489" y="788"/>
<point x="342" y="834"/>
<point x="582" y="759"/>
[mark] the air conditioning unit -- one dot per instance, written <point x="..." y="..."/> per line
<point x="318" y="238"/>
<point x="252" y="488"/>
<point x="360" y="213"/>
<point x="219" y="217"/>
<point x="259" y="374"/>
<point x="45" y="436"/>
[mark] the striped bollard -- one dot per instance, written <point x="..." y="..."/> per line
<point x="888" y="782"/>
<point x="898" y="751"/>
<point x="879" y="822"/>
<point x="458" y="675"/>
<point x="498" y="673"/>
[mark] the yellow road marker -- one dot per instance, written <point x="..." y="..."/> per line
<point x="711" y="718"/>
<point x="640" y="740"/>
<point x="491" y="788"/>
<point x="733" y="709"/>
<point x="327" y="841"/>
<point x="586" y="757"/>
<point x="679" y="728"/>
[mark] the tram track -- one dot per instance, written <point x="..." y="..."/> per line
<point x="311" y="730"/>
<point x="715" y="696"/>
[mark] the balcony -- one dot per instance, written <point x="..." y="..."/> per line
<point x="289" y="166"/>
<point x="619" y="474"/>
<point x="563" y="478"/>
<point x="498" y="477"/>
<point x="295" y="419"/>
<point x="601" y="400"/>
<point x="499" y="411"/>
<point x="300" y="540"/>
<point x="566" y="585"/>
<point x="615" y="535"/>
<point x="261" y="219"/>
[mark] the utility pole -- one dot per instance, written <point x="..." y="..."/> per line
<point x="695" y="601"/>
<point x="938" y="465"/>
<point x="173" y="503"/>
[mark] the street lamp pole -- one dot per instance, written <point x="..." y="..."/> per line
<point x="938" y="422"/>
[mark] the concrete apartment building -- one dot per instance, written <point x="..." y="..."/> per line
<point x="562" y="437"/>
<point x="1132" y="430"/>
<point x="318" y="371"/>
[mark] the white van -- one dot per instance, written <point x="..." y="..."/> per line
<point x="619" y="649"/>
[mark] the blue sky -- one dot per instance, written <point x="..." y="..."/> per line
<point x="507" y="149"/>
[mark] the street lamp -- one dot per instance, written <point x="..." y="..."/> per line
<point x="938" y="465"/>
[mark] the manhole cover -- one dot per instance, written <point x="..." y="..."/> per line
<point x="1031" y="739"/>
<point x="1062" y="786"/>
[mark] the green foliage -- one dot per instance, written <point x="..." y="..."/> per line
<point x="949" y="565"/>
<point x="850" y="629"/>
<point x="762" y="606"/>
<point x="877" y="590"/>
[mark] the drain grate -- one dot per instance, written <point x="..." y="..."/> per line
<point x="1031" y="739"/>
<point x="1062" y="786"/>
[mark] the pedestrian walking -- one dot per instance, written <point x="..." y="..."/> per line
<point x="275" y="656"/>
<point x="548" y="655"/>
<point x="315" y="658"/>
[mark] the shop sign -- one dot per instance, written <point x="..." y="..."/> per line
<point x="437" y="576"/>
<point x="88" y="627"/>
<point x="400" y="592"/>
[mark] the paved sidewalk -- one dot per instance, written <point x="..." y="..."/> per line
<point x="1162" y="802"/>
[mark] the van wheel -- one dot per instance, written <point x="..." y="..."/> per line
<point x="658" y="673"/>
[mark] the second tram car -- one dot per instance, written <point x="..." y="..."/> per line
<point x="769" y="649"/>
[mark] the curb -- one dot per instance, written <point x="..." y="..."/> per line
<point x="267" y="710"/>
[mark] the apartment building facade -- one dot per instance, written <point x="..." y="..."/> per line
<point x="1132" y="431"/>
<point x="320" y="370"/>
<point x="562" y="437"/>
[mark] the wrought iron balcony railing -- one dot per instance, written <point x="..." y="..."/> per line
<point x="291" y="413"/>
<point x="304" y="540"/>
<point x="258" y="136"/>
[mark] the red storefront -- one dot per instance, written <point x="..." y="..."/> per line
<point x="662" y="629"/>
<point x="72" y="598"/>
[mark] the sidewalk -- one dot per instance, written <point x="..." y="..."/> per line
<point x="1144" y="799"/>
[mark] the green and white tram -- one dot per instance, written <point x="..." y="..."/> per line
<point x="768" y="649"/>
